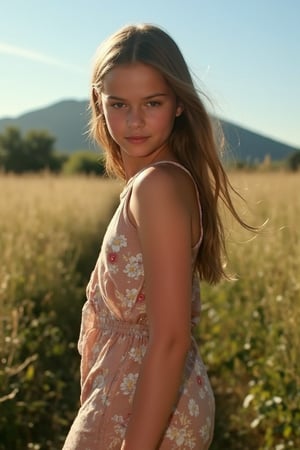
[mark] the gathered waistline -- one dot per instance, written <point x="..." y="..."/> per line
<point x="123" y="327"/>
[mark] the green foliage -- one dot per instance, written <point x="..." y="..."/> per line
<point x="12" y="155"/>
<point x="294" y="161"/>
<point x="249" y="330"/>
<point x="57" y="161"/>
<point x="31" y="153"/>
<point x="38" y="147"/>
<point x="86" y="162"/>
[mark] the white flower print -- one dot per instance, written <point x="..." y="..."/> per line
<point x="98" y="381"/>
<point x="190" y="442"/>
<point x="128" y="384"/>
<point x="113" y="268"/>
<point x="181" y="432"/>
<point x="181" y="437"/>
<point x="128" y="300"/>
<point x="117" y="242"/>
<point x="193" y="408"/>
<point x="198" y="368"/>
<point x="117" y="419"/>
<point x="205" y="430"/>
<point x="105" y="399"/>
<point x="130" y="297"/>
<point x="175" y="434"/>
<point x="202" y="393"/>
<point x="137" y="353"/>
<point x="134" y="267"/>
<point x="120" y="426"/>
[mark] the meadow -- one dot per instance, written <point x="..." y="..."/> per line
<point x="51" y="229"/>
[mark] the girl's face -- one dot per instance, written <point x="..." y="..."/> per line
<point x="139" y="108"/>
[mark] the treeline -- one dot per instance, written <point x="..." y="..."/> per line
<point x="35" y="152"/>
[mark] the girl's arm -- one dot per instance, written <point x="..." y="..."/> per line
<point x="164" y="226"/>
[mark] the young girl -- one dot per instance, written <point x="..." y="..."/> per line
<point x="144" y="385"/>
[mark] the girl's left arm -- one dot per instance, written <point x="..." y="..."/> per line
<point x="164" y="227"/>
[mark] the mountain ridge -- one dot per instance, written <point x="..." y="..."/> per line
<point x="67" y="121"/>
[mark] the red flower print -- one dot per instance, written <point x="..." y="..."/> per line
<point x="141" y="297"/>
<point x="112" y="257"/>
<point x="199" y="380"/>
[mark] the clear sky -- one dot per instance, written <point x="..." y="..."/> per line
<point x="245" y="53"/>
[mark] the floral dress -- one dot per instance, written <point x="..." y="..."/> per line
<point x="113" y="340"/>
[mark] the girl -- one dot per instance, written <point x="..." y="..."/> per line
<point x="144" y="385"/>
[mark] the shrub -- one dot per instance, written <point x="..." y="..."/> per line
<point x="85" y="162"/>
<point x="294" y="161"/>
<point x="33" y="152"/>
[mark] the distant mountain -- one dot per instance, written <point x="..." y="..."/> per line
<point x="67" y="121"/>
<point x="245" y="145"/>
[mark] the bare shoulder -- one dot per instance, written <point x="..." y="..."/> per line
<point x="163" y="181"/>
<point x="166" y="194"/>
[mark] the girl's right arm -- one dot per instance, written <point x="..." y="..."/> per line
<point x="164" y="228"/>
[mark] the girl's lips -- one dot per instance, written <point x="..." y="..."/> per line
<point x="136" y="139"/>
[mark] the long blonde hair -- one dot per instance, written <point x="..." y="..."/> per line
<point x="192" y="141"/>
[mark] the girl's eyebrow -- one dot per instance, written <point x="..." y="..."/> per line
<point x="148" y="97"/>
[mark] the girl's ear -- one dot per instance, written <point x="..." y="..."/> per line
<point x="179" y="109"/>
<point x="96" y="100"/>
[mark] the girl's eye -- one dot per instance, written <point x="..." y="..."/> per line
<point x="153" y="103"/>
<point x="118" y="105"/>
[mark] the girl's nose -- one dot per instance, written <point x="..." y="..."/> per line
<point x="135" y="118"/>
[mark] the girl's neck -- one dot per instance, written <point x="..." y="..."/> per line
<point x="133" y="165"/>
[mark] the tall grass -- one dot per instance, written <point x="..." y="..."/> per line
<point x="250" y="326"/>
<point x="50" y="233"/>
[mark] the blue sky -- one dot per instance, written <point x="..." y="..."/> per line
<point x="245" y="54"/>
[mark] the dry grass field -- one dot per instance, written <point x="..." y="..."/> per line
<point x="50" y="233"/>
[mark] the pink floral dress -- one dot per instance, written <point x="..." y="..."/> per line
<point x="113" y="341"/>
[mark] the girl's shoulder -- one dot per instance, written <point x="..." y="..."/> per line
<point x="164" y="179"/>
<point x="166" y="194"/>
